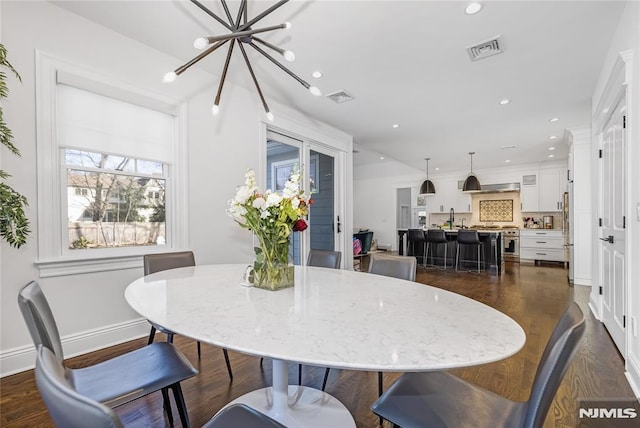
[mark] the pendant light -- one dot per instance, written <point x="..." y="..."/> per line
<point x="427" y="187"/>
<point x="471" y="184"/>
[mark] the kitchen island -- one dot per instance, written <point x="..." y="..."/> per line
<point x="492" y="246"/>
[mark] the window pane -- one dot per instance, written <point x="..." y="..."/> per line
<point x="113" y="210"/>
<point x="86" y="159"/>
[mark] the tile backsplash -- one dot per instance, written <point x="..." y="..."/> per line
<point x="496" y="210"/>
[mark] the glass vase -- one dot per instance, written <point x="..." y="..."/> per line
<point x="271" y="269"/>
<point x="273" y="276"/>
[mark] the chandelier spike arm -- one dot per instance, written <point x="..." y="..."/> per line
<point x="224" y="73"/>
<point x="282" y="67"/>
<point x="241" y="12"/>
<point x="213" y="15"/>
<point x="197" y="58"/>
<point x="237" y="34"/>
<point x="226" y="11"/>
<point x="260" y="16"/>
<point x="288" y="55"/>
<point x="253" y="76"/>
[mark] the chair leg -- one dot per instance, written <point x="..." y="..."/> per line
<point x="166" y="405"/>
<point x="226" y="360"/>
<point x="478" y="258"/>
<point x="182" y="407"/>
<point x="326" y="376"/>
<point x="170" y="337"/>
<point x="299" y="374"/>
<point x="380" y="391"/>
<point x="152" y="334"/>
<point x="457" y="255"/>
<point x="261" y="360"/>
<point x="199" y="353"/>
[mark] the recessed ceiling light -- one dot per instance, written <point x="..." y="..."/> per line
<point x="552" y="137"/>
<point x="551" y="156"/>
<point x="555" y="119"/>
<point x="395" y="125"/>
<point x="316" y="74"/>
<point x="507" y="161"/>
<point x="437" y="169"/>
<point x="552" y="148"/>
<point x="504" y="102"/>
<point x="473" y="8"/>
<point x="381" y="157"/>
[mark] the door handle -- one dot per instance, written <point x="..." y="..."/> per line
<point x="608" y="239"/>
<point x="339" y="224"/>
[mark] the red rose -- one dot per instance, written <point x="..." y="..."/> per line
<point x="299" y="225"/>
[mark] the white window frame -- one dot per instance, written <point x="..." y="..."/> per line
<point x="54" y="259"/>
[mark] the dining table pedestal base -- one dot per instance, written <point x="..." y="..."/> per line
<point x="297" y="406"/>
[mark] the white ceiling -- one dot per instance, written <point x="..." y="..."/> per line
<point x="405" y="62"/>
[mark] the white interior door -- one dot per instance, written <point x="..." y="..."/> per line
<point x="612" y="232"/>
<point x="322" y="169"/>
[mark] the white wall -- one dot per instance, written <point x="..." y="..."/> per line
<point x="627" y="37"/>
<point x="90" y="308"/>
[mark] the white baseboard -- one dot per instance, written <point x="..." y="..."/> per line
<point x="594" y="305"/>
<point x="582" y="281"/>
<point x="23" y="358"/>
<point x="633" y="374"/>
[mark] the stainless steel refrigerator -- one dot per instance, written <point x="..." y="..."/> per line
<point x="568" y="230"/>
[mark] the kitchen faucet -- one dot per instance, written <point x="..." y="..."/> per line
<point x="451" y="218"/>
<point x="462" y="223"/>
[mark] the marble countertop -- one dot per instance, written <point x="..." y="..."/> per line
<point x="331" y="318"/>
<point x="455" y="230"/>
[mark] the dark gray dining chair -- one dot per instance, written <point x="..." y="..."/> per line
<point x="324" y="258"/>
<point x="164" y="261"/>
<point x="401" y="267"/>
<point x="439" y="399"/>
<point x="70" y="409"/>
<point x="119" y="380"/>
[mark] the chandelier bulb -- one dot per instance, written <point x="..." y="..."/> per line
<point x="169" y="77"/>
<point x="289" y="56"/>
<point x="200" y="43"/>
<point x="270" y="116"/>
<point x="287" y="25"/>
<point x="215" y="109"/>
<point x="315" y="91"/>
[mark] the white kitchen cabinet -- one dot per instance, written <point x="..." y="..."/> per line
<point x="463" y="201"/>
<point x="551" y="188"/>
<point x="446" y="196"/>
<point x="542" y="244"/>
<point x="529" y="192"/>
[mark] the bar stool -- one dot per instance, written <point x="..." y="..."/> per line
<point x="436" y="237"/>
<point x="416" y="236"/>
<point x="470" y="238"/>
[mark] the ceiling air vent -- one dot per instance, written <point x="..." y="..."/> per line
<point x="485" y="49"/>
<point x="340" y="97"/>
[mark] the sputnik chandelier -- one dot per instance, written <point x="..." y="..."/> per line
<point x="242" y="33"/>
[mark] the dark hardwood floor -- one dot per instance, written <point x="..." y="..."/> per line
<point x="535" y="296"/>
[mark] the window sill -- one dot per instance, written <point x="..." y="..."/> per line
<point x="83" y="264"/>
<point x="75" y="266"/>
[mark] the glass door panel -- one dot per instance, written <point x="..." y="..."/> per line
<point x="322" y="215"/>
<point x="283" y="157"/>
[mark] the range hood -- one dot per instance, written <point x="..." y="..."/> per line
<point x="497" y="188"/>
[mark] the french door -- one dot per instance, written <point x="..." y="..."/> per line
<point x="612" y="233"/>
<point x="321" y="176"/>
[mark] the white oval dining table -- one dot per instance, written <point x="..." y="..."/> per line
<point x="330" y="318"/>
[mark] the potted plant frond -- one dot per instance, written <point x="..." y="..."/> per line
<point x="14" y="225"/>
